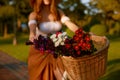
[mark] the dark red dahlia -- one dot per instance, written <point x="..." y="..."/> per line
<point x="68" y="46"/>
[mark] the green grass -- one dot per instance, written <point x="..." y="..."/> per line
<point x="114" y="50"/>
<point x="113" y="66"/>
<point x="20" y="52"/>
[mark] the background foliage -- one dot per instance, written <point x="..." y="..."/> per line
<point x="14" y="13"/>
<point x="101" y="17"/>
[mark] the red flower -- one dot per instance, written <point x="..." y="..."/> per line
<point x="88" y="46"/>
<point x="81" y="41"/>
<point x="67" y="41"/>
<point x="57" y="33"/>
<point x="75" y="38"/>
<point x="79" y="31"/>
<point x="79" y="44"/>
<point x="87" y="38"/>
<point x="67" y="46"/>
<point x="78" y="52"/>
<point x="76" y="48"/>
<point x="80" y="35"/>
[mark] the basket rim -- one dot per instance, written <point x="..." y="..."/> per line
<point x="97" y="53"/>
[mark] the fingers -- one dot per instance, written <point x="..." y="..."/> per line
<point x="91" y="33"/>
<point x="32" y="37"/>
<point x="96" y="38"/>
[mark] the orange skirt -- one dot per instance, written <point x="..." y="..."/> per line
<point x="44" y="66"/>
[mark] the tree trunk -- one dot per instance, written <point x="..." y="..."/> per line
<point x="14" y="41"/>
<point x="1" y="29"/>
<point x="5" y="31"/>
<point x="15" y="30"/>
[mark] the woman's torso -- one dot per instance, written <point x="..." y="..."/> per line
<point x="46" y="28"/>
<point x="48" y="25"/>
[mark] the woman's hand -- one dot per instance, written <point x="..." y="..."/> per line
<point x="32" y="37"/>
<point x="98" y="38"/>
<point x="32" y="26"/>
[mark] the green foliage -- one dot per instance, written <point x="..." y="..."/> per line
<point x="115" y="30"/>
<point x="69" y="32"/>
<point x="74" y="9"/>
<point x="6" y="12"/>
<point x="3" y="2"/>
<point x="113" y="64"/>
<point x="23" y="8"/>
<point x="109" y="11"/>
<point x="94" y="20"/>
<point x="11" y="11"/>
<point x="19" y="51"/>
<point x="98" y="29"/>
<point x="106" y="5"/>
<point x="99" y="12"/>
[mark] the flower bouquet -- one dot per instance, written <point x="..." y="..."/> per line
<point x="81" y="58"/>
<point x="79" y="45"/>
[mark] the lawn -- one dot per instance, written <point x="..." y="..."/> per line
<point x="20" y="52"/>
<point x="113" y="68"/>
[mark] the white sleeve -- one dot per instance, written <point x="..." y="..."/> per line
<point x="64" y="19"/>
<point x="32" y="22"/>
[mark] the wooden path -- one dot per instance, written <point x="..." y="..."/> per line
<point x="12" y="69"/>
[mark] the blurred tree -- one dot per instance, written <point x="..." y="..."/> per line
<point x="6" y="15"/>
<point x="22" y="10"/>
<point x="108" y="9"/>
<point x="14" y="11"/>
<point x="115" y="30"/>
<point x="74" y="9"/>
<point x="2" y="2"/>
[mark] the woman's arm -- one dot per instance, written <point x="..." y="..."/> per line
<point x="65" y="20"/>
<point x="32" y="26"/>
<point x="71" y="25"/>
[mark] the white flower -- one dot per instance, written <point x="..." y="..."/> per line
<point x="59" y="39"/>
<point x="55" y="39"/>
<point x="62" y="43"/>
<point x="64" y="33"/>
<point x="53" y="36"/>
<point x="57" y="44"/>
<point x="66" y="37"/>
<point x="59" y="35"/>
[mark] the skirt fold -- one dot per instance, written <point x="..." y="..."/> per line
<point x="44" y="66"/>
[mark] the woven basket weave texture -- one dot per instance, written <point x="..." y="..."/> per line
<point x="89" y="67"/>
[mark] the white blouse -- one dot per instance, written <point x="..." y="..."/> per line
<point x="49" y="27"/>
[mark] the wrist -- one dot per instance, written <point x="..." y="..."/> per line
<point x="32" y="33"/>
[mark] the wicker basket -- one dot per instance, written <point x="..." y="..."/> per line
<point x="88" y="67"/>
